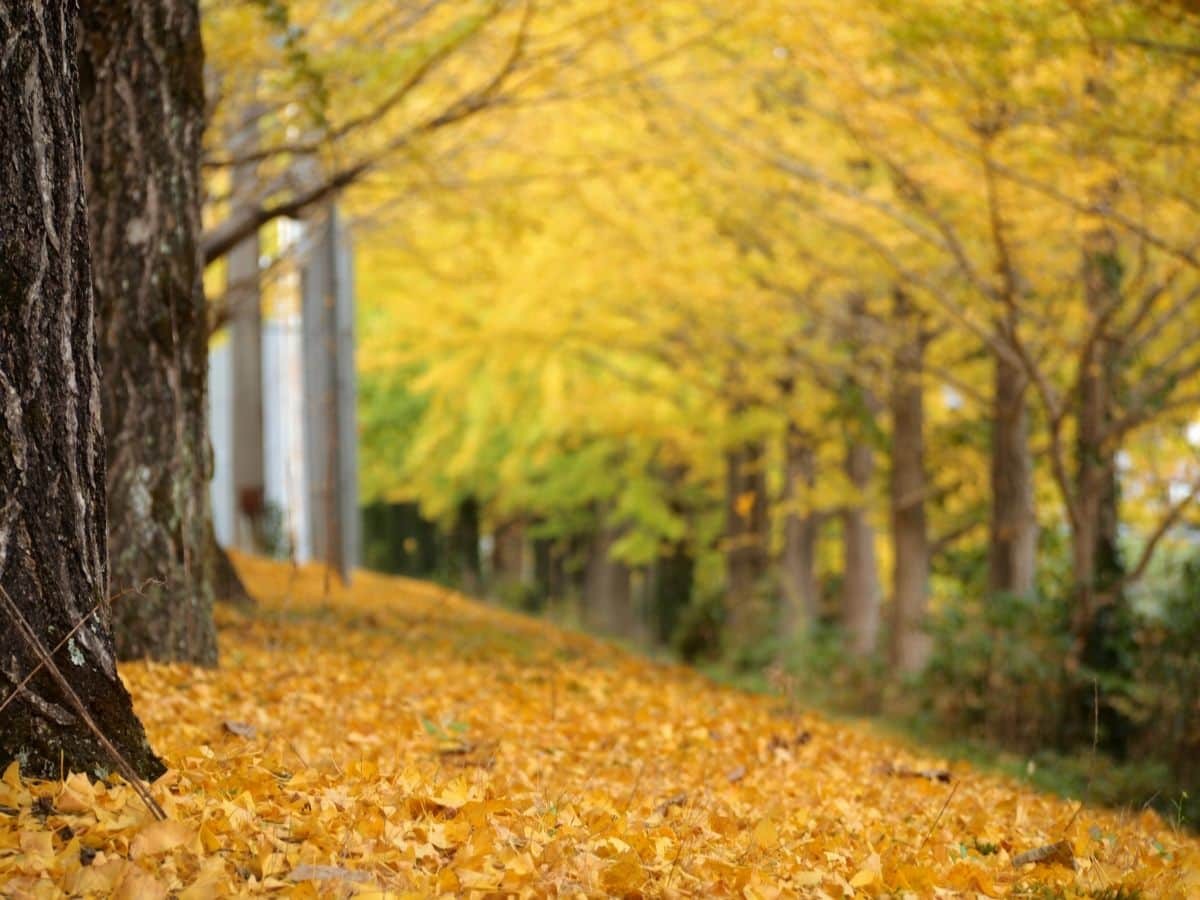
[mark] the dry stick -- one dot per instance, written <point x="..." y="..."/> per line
<point x="1087" y="789"/>
<point x="32" y="672"/>
<point x="636" y="783"/>
<point x="941" y="812"/>
<point x="122" y="764"/>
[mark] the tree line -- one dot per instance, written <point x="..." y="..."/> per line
<point x="876" y="315"/>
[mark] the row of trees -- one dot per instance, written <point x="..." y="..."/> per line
<point x="106" y="544"/>
<point x="766" y="223"/>
<point x="825" y="273"/>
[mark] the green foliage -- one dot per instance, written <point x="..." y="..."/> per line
<point x="996" y="669"/>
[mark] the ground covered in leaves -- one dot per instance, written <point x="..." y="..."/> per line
<point x="398" y="740"/>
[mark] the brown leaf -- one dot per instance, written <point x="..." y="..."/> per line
<point x="327" y="873"/>
<point x="1060" y="852"/>
<point x="241" y="729"/>
<point x="674" y="800"/>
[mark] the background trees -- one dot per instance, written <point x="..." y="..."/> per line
<point x="874" y="311"/>
<point x="750" y="329"/>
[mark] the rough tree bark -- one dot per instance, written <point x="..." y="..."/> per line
<point x="53" y="557"/>
<point x="142" y="69"/>
<point x="746" y="543"/>
<point x="801" y="528"/>
<point x="910" y="645"/>
<point x="1012" y="545"/>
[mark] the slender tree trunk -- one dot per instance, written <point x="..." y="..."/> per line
<point x="1012" y="546"/>
<point x="608" y="589"/>
<point x="509" y="562"/>
<point x="801" y="528"/>
<point x="243" y="298"/>
<point x="228" y="586"/>
<point x="1096" y="556"/>
<point x="860" y="580"/>
<point x="549" y="571"/>
<point x="142" y="64"/>
<point x="464" y="547"/>
<point x="53" y="555"/>
<point x="909" y="643"/>
<point x="330" y="442"/>
<point x="673" y="578"/>
<point x="746" y="541"/>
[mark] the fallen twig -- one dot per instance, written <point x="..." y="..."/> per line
<point x="941" y="812"/>
<point x="70" y="634"/>
<point x="941" y="775"/>
<point x="122" y="764"/>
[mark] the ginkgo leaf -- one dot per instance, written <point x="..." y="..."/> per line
<point x="159" y="837"/>
<point x="568" y="793"/>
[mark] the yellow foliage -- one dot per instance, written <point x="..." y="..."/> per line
<point x="399" y="740"/>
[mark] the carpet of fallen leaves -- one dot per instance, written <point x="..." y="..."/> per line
<point x="399" y="740"/>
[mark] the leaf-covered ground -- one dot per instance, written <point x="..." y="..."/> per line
<point x="399" y="740"/>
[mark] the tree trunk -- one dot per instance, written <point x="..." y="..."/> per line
<point x="330" y="441"/>
<point x="464" y="547"/>
<point x="228" y="586"/>
<point x="673" y="577"/>
<point x="801" y="528"/>
<point x="910" y="645"/>
<point x="53" y="555"/>
<point x="1012" y="545"/>
<point x="509" y="562"/>
<point x="143" y="119"/>
<point x="243" y="299"/>
<point x="860" y="580"/>
<point x="746" y="541"/>
<point x="549" y="570"/>
<point x="608" y="589"/>
<point x="1096" y="555"/>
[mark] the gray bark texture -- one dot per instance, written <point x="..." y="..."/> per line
<point x="1012" y="544"/>
<point x="330" y="432"/>
<point x="801" y="528"/>
<point x="860" y="582"/>
<point x="910" y="644"/>
<point x="53" y="556"/>
<point x="142" y="68"/>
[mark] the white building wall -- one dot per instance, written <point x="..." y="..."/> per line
<point x="283" y="429"/>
